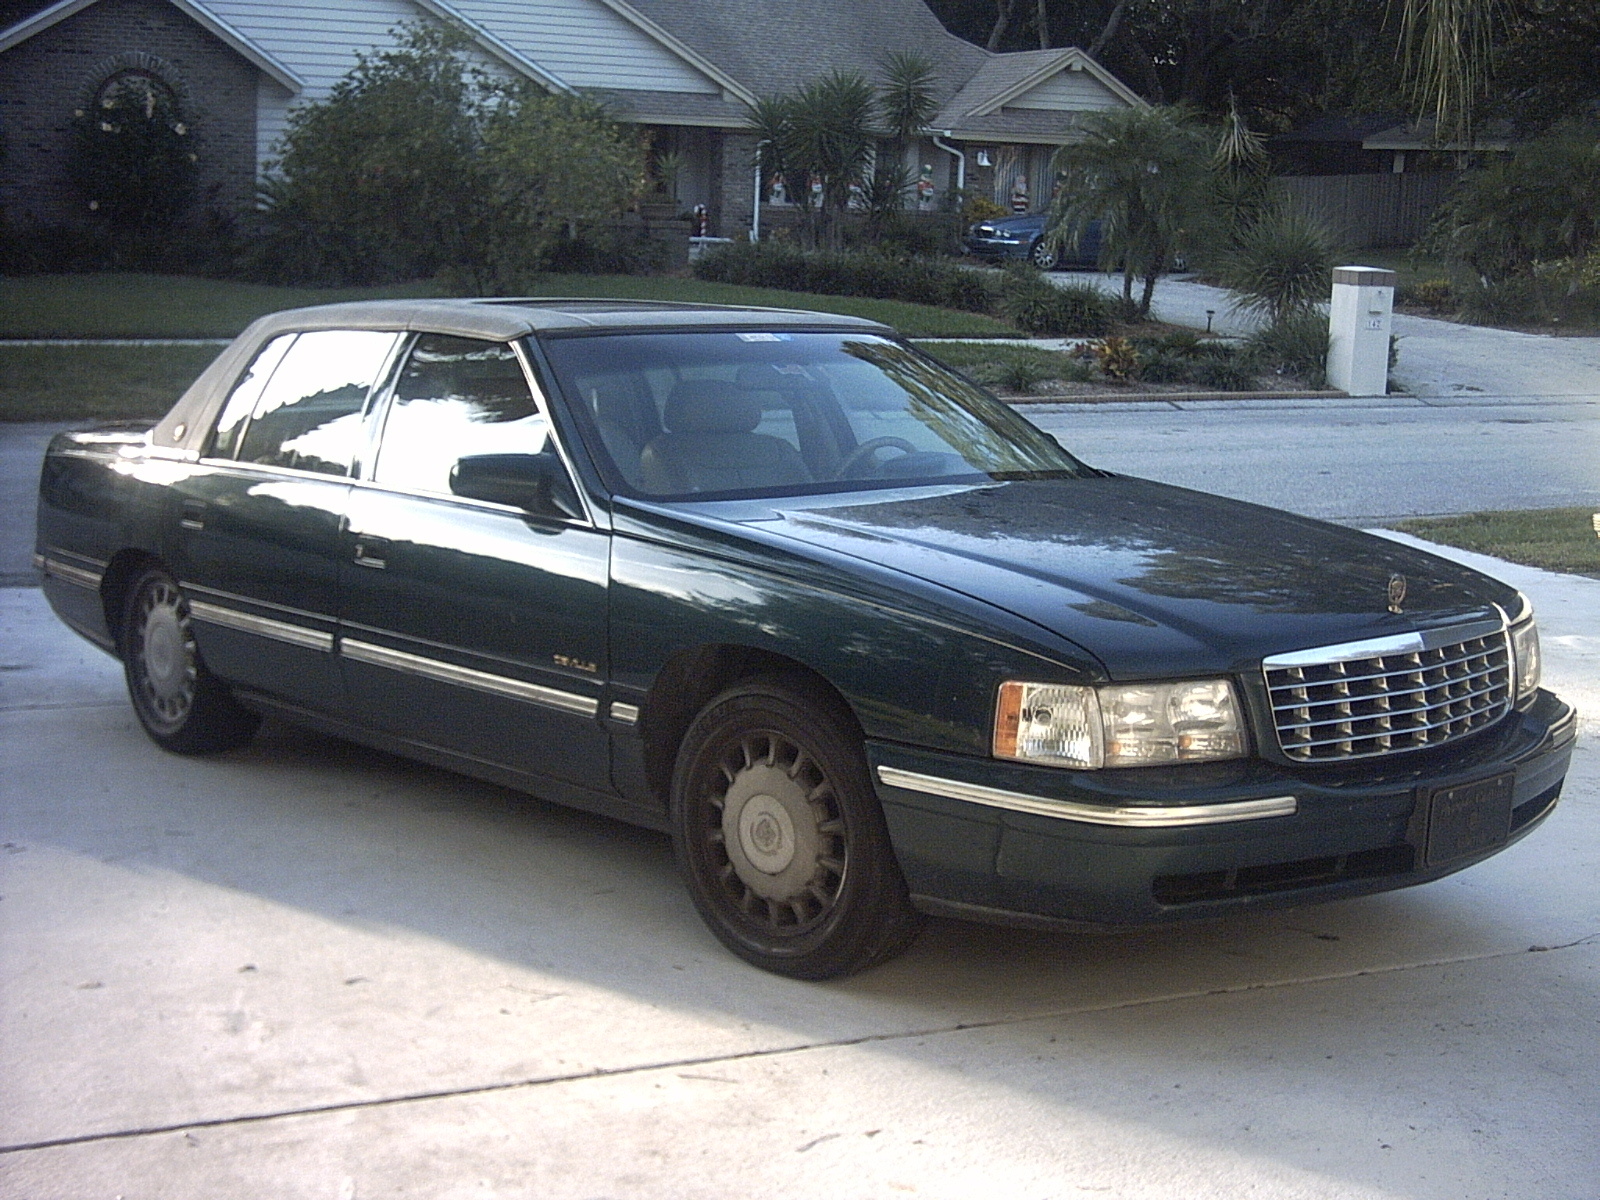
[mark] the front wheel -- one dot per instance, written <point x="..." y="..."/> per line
<point x="1042" y="255"/>
<point x="780" y="838"/>
<point x="182" y="706"/>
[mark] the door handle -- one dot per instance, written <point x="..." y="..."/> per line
<point x="370" y="552"/>
<point x="193" y="515"/>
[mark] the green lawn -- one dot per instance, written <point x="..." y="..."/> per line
<point x="1556" y="539"/>
<point x="157" y="306"/>
<point x="73" y="383"/>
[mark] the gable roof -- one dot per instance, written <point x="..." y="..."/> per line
<point x="772" y="47"/>
<point x="247" y="49"/>
<point x="496" y="47"/>
<point x="772" y="51"/>
<point x="1008" y="77"/>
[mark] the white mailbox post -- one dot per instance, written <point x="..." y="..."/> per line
<point x="1359" y="319"/>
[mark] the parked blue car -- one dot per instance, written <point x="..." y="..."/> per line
<point x="1023" y="237"/>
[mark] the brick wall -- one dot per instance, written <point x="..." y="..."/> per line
<point x="43" y="80"/>
<point x="733" y="191"/>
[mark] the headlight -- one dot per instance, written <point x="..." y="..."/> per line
<point x="1118" y="725"/>
<point x="1525" y="658"/>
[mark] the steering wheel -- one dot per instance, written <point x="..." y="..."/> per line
<point x="866" y="450"/>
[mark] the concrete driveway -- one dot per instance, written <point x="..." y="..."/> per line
<point x="1436" y="358"/>
<point x="308" y="970"/>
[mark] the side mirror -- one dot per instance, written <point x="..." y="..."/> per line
<point x="536" y="483"/>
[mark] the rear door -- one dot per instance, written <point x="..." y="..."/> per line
<point x="257" y="520"/>
<point x="469" y="625"/>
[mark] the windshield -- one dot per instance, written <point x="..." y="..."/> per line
<point x="752" y="414"/>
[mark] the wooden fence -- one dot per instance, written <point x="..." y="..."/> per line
<point x="1370" y="211"/>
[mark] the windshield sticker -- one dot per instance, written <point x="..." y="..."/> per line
<point x="763" y="337"/>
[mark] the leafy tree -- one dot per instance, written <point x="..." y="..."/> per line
<point x="1549" y="65"/>
<point x="1144" y="174"/>
<point x="1539" y="207"/>
<point x="418" y="162"/>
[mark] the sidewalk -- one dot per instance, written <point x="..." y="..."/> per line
<point x="1437" y="358"/>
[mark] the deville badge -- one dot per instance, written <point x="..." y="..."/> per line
<point x="1397" y="592"/>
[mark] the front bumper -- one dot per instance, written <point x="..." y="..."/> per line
<point x="1352" y="829"/>
<point x="996" y="247"/>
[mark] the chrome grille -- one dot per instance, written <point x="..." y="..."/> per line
<point x="1389" y="695"/>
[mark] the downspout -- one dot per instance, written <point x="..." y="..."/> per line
<point x="961" y="159"/>
<point x="755" y="211"/>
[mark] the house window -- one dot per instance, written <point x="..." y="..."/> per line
<point x="137" y="92"/>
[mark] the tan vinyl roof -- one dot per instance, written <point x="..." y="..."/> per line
<point x="184" y="428"/>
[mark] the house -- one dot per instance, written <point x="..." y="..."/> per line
<point x="1391" y="142"/>
<point x="686" y="70"/>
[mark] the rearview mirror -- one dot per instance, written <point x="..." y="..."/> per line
<point x="536" y="483"/>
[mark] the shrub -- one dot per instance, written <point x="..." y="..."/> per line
<point x="1296" y="345"/>
<point x="877" y="276"/>
<point x="1185" y="357"/>
<point x="1435" y="295"/>
<point x="1116" y="357"/>
<point x="1231" y="374"/>
<point x="1164" y="366"/>
<point x="1549" y="297"/>
<point x="1035" y="305"/>
<point x="1541" y="205"/>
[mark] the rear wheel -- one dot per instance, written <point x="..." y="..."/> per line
<point x="182" y="706"/>
<point x="1043" y="255"/>
<point x="780" y="837"/>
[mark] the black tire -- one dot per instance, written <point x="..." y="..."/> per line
<point x="1043" y="256"/>
<point x="779" y="834"/>
<point x="182" y="706"/>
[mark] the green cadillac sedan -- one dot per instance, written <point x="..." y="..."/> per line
<point x="868" y="644"/>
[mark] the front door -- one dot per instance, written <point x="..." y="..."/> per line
<point x="468" y="625"/>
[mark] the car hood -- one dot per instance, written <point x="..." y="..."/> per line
<point x="1027" y="223"/>
<point x="1150" y="579"/>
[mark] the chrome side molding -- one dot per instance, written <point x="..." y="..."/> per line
<point x="278" y="631"/>
<point x="483" y="681"/>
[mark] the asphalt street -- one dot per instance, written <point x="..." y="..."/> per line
<point x="1358" y="462"/>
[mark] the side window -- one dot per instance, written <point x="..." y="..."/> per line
<point x="456" y="397"/>
<point x="242" y="401"/>
<point x="307" y="415"/>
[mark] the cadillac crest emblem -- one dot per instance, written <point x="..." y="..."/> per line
<point x="1397" y="592"/>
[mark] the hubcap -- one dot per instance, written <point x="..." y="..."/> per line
<point x="165" y="655"/>
<point x="774" y="836"/>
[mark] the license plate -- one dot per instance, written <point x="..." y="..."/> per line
<point x="1469" y="818"/>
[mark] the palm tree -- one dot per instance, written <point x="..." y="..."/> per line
<point x="1446" y="46"/>
<point x="1143" y="173"/>
<point x="906" y="106"/>
<point x="823" y="133"/>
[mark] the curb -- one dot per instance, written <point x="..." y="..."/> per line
<point x="1016" y="399"/>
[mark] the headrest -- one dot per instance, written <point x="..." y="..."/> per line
<point x="710" y="406"/>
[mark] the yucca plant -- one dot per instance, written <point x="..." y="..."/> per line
<point x="1280" y="264"/>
